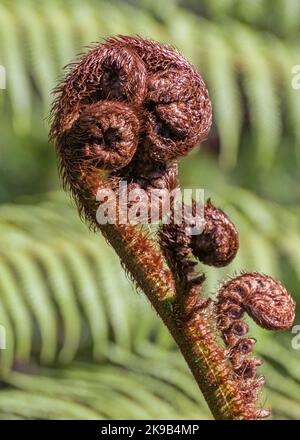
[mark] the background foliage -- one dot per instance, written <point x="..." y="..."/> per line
<point x="76" y="344"/>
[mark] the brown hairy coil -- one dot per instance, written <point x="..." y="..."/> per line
<point x="218" y="243"/>
<point x="128" y="106"/>
<point x="104" y="135"/>
<point x="270" y="305"/>
<point x="178" y="115"/>
<point x="267" y="302"/>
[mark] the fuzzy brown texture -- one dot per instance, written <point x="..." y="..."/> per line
<point x="218" y="244"/>
<point x="102" y="132"/>
<point x="175" y="242"/>
<point x="128" y="106"/>
<point x="267" y="301"/>
<point x="103" y="136"/>
<point x="270" y="305"/>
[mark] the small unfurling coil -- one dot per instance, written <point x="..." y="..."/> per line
<point x="270" y="305"/>
<point x="218" y="244"/>
<point x="103" y="136"/>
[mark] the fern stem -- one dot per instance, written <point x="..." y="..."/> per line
<point x="196" y="340"/>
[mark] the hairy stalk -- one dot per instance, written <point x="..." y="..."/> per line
<point x="196" y="340"/>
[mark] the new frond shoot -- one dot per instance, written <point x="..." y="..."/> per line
<point x="126" y="112"/>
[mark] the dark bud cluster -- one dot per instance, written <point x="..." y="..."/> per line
<point x="128" y="107"/>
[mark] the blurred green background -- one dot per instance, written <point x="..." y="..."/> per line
<point x="81" y="344"/>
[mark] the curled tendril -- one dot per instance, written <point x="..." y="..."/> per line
<point x="270" y="305"/>
<point x="218" y="243"/>
<point x="178" y="115"/>
<point x="121" y="74"/>
<point x="104" y="135"/>
<point x="267" y="302"/>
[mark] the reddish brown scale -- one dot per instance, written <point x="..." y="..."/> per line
<point x="218" y="243"/>
<point x="227" y="314"/>
<point x="123" y="74"/>
<point x="149" y="173"/>
<point x="248" y="368"/>
<point x="250" y="388"/>
<point x="178" y="245"/>
<point x="234" y="331"/>
<point x="238" y="352"/>
<point x="179" y="109"/>
<point x="175" y="244"/>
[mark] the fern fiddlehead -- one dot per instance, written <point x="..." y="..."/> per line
<point x="125" y="112"/>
